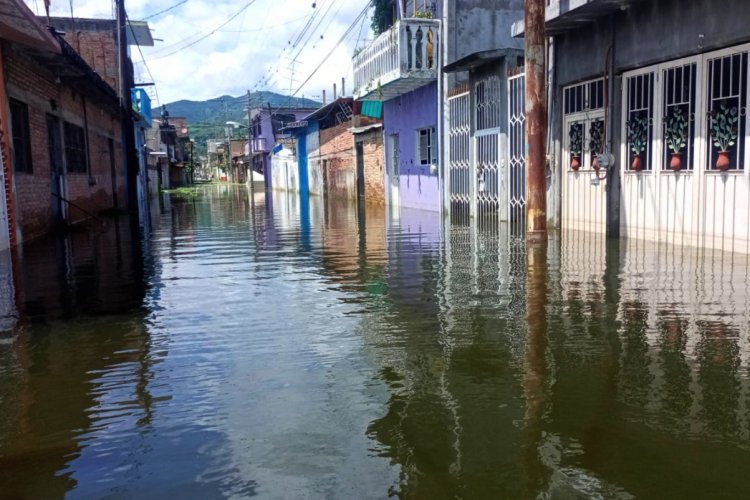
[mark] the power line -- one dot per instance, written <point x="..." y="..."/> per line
<point x="165" y="10"/>
<point x="231" y="18"/>
<point x="148" y="70"/>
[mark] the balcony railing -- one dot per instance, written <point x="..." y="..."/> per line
<point x="260" y="145"/>
<point x="400" y="60"/>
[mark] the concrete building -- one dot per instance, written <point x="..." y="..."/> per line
<point x="663" y="87"/>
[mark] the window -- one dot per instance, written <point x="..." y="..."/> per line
<point x="427" y="148"/>
<point x="19" y="113"/>
<point x="679" y="117"/>
<point x="639" y="121"/>
<point x="75" y="148"/>
<point x="727" y="109"/>
<point x="584" y="123"/>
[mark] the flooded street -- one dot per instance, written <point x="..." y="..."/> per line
<point x="265" y="347"/>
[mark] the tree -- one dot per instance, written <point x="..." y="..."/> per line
<point x="382" y="18"/>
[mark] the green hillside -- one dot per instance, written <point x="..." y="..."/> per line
<point x="224" y="108"/>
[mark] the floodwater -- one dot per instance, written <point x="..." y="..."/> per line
<point x="261" y="347"/>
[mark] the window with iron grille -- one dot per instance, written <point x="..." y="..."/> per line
<point x="75" y="148"/>
<point x="727" y="109"/>
<point x="583" y="123"/>
<point x="19" y="114"/>
<point x="639" y="121"/>
<point x="679" y="116"/>
<point x="427" y="148"/>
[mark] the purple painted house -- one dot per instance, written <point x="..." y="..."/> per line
<point x="400" y="69"/>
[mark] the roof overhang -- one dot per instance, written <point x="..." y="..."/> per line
<point x="478" y="59"/>
<point x="18" y="24"/>
<point x="566" y="15"/>
<point x="367" y="128"/>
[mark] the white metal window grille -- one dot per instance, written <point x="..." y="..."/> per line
<point x="583" y="123"/>
<point x="584" y="97"/>
<point x="727" y="108"/>
<point x="427" y="149"/>
<point x="459" y="162"/>
<point x="679" y="115"/>
<point x="640" y="119"/>
<point x="517" y="154"/>
<point x="488" y="98"/>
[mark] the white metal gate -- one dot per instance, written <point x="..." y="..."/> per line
<point x="517" y="154"/>
<point x="488" y="99"/>
<point x="459" y="162"/>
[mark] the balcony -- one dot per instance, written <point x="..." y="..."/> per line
<point x="400" y="60"/>
<point x="260" y="145"/>
<point x="142" y="105"/>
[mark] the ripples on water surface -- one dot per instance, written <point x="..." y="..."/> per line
<point x="285" y="351"/>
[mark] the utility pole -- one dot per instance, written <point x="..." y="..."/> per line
<point x="250" y="146"/>
<point x="536" y="122"/>
<point x="126" y="111"/>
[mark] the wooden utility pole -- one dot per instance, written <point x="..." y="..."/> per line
<point x="536" y="121"/>
<point x="125" y="83"/>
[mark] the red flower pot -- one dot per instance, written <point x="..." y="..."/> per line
<point x="575" y="163"/>
<point x="723" y="163"/>
<point x="637" y="164"/>
<point x="676" y="163"/>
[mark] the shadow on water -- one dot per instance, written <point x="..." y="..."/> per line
<point x="256" y="344"/>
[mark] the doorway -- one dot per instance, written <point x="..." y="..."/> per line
<point x="393" y="170"/>
<point x="360" y="152"/>
<point x="55" y="151"/>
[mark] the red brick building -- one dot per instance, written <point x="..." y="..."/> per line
<point x="370" y="158"/>
<point x="62" y="124"/>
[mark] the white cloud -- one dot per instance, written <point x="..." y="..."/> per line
<point x="239" y="55"/>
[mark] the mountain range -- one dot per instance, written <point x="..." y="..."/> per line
<point x="227" y="108"/>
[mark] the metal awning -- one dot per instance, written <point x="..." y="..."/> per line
<point x="366" y="128"/>
<point x="477" y="59"/>
<point x="567" y="15"/>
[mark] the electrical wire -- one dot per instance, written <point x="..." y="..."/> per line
<point x="143" y="60"/>
<point x="164" y="11"/>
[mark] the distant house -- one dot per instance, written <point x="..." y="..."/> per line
<point x="63" y="151"/>
<point x="266" y="124"/>
<point x="663" y="87"/>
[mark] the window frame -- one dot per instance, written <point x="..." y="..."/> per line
<point x="77" y="164"/>
<point x="23" y="162"/>
<point x="585" y="116"/>
<point x="431" y="147"/>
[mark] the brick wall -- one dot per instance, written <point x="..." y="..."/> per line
<point x="374" y="160"/>
<point x="30" y="83"/>
<point x="98" y="49"/>
<point x="337" y="154"/>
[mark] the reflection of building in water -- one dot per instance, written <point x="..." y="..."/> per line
<point x="8" y="314"/>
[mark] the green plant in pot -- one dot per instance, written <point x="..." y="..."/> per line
<point x="596" y="134"/>
<point x="576" y="145"/>
<point x="637" y="137"/>
<point x="677" y="136"/>
<point x="724" y="133"/>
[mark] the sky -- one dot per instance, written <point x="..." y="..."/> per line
<point x="210" y="48"/>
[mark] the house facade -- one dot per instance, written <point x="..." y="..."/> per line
<point x="400" y="69"/>
<point x="663" y="88"/>
<point x="64" y="142"/>
<point x="266" y="124"/>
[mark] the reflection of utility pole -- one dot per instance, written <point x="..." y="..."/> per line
<point x="536" y="121"/>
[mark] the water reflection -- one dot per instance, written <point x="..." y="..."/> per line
<point x="264" y="345"/>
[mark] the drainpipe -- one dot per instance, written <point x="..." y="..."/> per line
<point x="440" y="53"/>
<point x="536" y="122"/>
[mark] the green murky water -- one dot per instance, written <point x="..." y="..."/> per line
<point x="264" y="347"/>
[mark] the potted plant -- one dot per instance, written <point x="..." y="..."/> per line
<point x="637" y="136"/>
<point x="576" y="145"/>
<point x="677" y="135"/>
<point x="724" y="133"/>
<point x="596" y="132"/>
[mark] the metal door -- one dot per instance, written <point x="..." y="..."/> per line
<point x="54" y="148"/>
<point x="488" y="97"/>
<point x="459" y="161"/>
<point x="517" y="154"/>
<point x="360" y="171"/>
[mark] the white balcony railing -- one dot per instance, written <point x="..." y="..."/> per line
<point x="400" y="60"/>
<point x="260" y="145"/>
